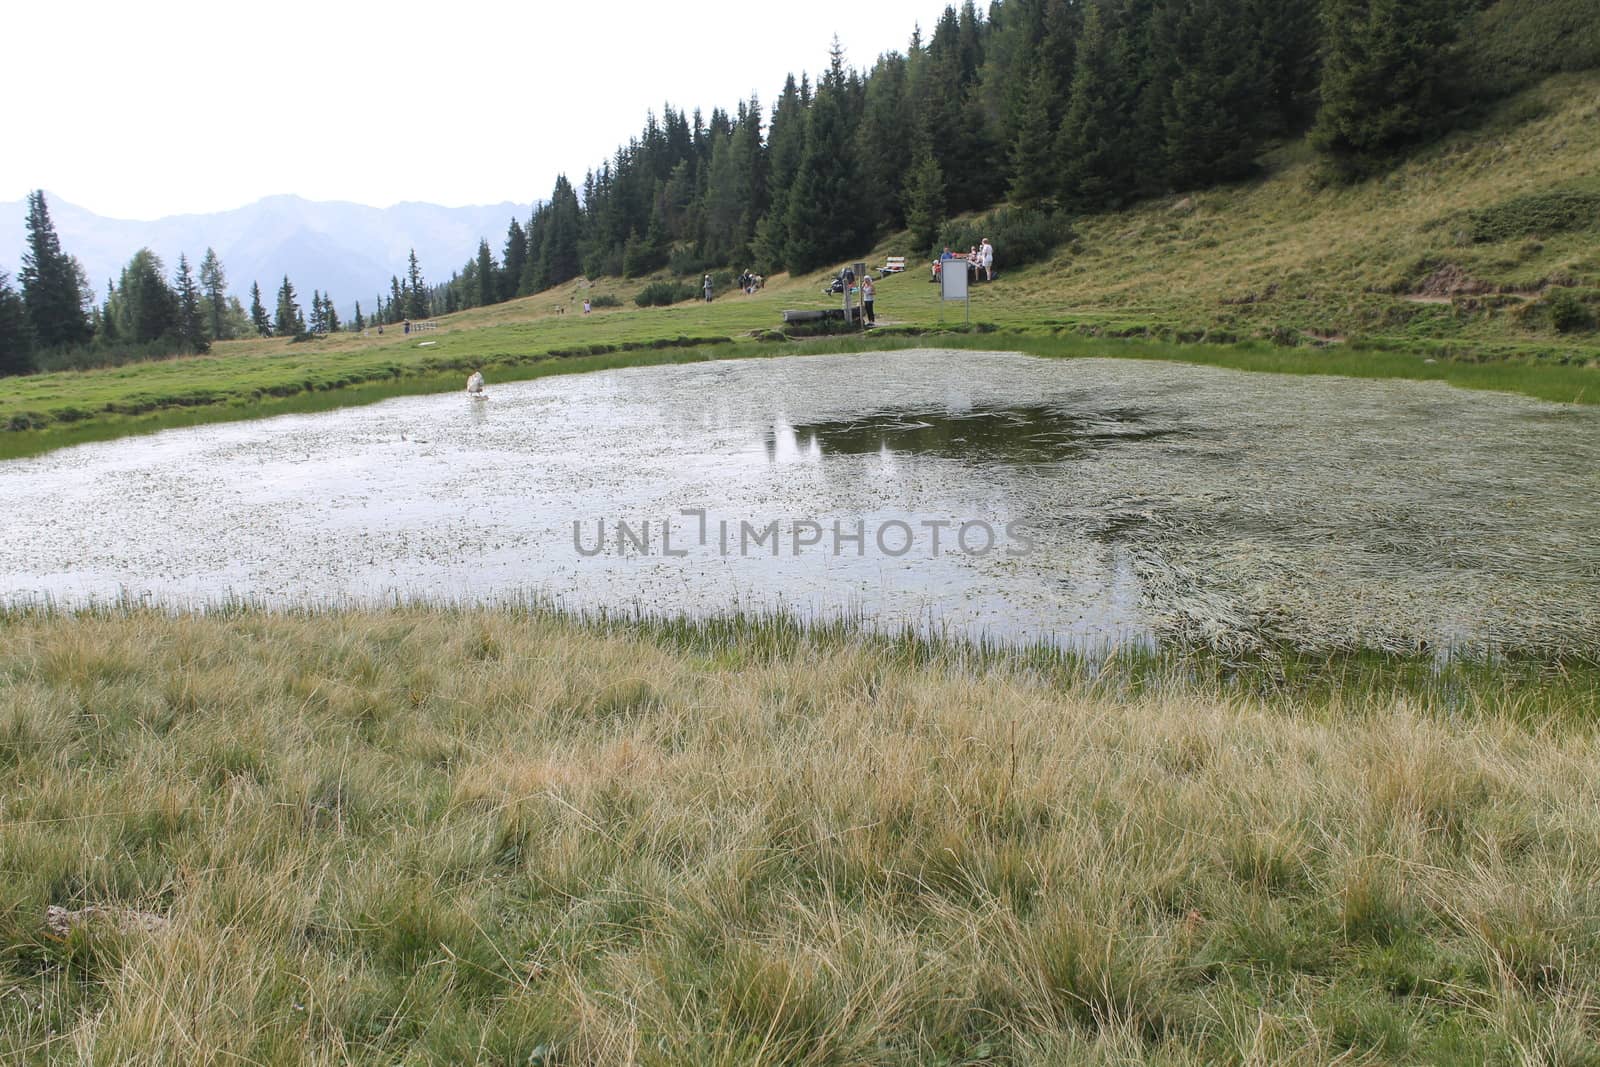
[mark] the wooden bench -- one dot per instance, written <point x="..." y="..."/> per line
<point x="894" y="265"/>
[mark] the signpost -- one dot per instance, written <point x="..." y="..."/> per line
<point x="953" y="285"/>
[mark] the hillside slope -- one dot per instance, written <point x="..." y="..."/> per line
<point x="1464" y="250"/>
<point x="1463" y="243"/>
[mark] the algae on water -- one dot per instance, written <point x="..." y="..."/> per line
<point x="1166" y="503"/>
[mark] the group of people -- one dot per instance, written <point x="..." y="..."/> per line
<point x="749" y="282"/>
<point x="980" y="261"/>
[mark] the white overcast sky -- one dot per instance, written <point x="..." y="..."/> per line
<point x="138" y="110"/>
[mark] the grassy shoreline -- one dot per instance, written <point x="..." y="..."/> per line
<point x="503" y="836"/>
<point x="444" y="371"/>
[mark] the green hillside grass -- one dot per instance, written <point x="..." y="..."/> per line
<point x="1480" y="253"/>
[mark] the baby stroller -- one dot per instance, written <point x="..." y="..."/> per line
<point x="846" y="277"/>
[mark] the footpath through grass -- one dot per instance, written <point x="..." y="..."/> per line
<point x="507" y="837"/>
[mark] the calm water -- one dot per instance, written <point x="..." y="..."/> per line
<point x="1087" y="502"/>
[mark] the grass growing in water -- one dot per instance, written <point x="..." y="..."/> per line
<point x="506" y="836"/>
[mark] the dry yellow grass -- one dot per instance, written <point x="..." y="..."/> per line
<point x="445" y="837"/>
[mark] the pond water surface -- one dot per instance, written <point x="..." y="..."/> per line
<point x="1086" y="502"/>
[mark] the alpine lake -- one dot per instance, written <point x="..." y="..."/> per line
<point x="1085" y="503"/>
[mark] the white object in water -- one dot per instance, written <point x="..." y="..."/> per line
<point x="475" y="386"/>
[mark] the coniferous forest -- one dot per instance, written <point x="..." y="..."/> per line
<point x="1034" y="110"/>
<point x="1041" y="109"/>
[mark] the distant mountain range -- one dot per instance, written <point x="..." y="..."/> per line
<point x="347" y="250"/>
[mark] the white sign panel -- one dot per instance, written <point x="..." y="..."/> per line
<point x="953" y="279"/>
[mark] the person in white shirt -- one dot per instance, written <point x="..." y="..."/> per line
<point x="986" y="258"/>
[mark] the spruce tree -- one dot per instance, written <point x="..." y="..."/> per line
<point x="1092" y="143"/>
<point x="952" y="111"/>
<point x="330" y="316"/>
<point x="191" y="321"/>
<point x="1213" y="117"/>
<point x="1033" y="161"/>
<point x="512" y="260"/>
<point x="924" y="200"/>
<point x="785" y="144"/>
<point x="150" y="308"/>
<point x="1290" y="41"/>
<point x="417" y="292"/>
<point x="16" y="338"/>
<point x="258" y="313"/>
<point x="725" y="200"/>
<point x="883" y="144"/>
<point x="558" y="252"/>
<point x="214" y="284"/>
<point x="358" y="324"/>
<point x="51" y="290"/>
<point x="1383" y="79"/>
<point x="395" y="310"/>
<point x="289" y="322"/>
<point x="823" y="222"/>
<point x="750" y="157"/>
<point x="488" y="278"/>
<point x="108" y="331"/>
<point x="315" y="323"/>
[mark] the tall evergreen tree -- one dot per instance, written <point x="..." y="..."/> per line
<point x="191" y="320"/>
<point x="1290" y="42"/>
<point x="1383" y="79"/>
<point x="358" y="323"/>
<point x="1092" y="143"/>
<point x="417" y="292"/>
<point x="314" y="322"/>
<point x="727" y="193"/>
<point x="258" y="313"/>
<point x="1033" y="159"/>
<point x="330" y="316"/>
<point x="924" y="199"/>
<point x="883" y="143"/>
<point x="952" y="111"/>
<point x="786" y="143"/>
<point x="1214" y="119"/>
<point x="823" y="222"/>
<point x="289" y="321"/>
<point x="108" y="330"/>
<point x="52" y="292"/>
<point x="513" y="258"/>
<point x="488" y="277"/>
<point x="16" y="337"/>
<point x="149" y="306"/>
<point x="214" y="286"/>
<point x="558" y="252"/>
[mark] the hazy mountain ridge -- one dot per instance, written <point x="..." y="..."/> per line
<point x="348" y="250"/>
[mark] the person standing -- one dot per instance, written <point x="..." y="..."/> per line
<point x="986" y="257"/>
<point x="708" y="288"/>
<point x="868" y="291"/>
